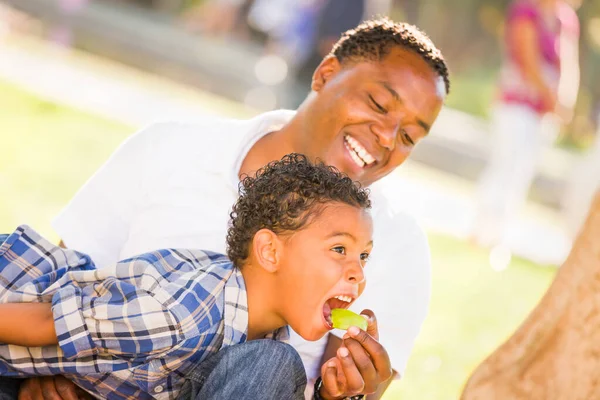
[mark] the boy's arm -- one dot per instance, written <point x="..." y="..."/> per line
<point x="27" y="324"/>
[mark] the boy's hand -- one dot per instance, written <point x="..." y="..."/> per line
<point x="50" y="388"/>
<point x="360" y="365"/>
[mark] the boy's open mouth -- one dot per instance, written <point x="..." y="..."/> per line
<point x="339" y="301"/>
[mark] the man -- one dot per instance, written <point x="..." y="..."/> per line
<point x="373" y="98"/>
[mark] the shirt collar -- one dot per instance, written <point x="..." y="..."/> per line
<point x="235" y="314"/>
<point x="259" y="126"/>
<point x="235" y="310"/>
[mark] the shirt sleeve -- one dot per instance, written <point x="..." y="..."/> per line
<point x="398" y="285"/>
<point x="113" y="317"/>
<point x="96" y="221"/>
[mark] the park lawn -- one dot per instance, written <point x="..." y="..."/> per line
<point x="473" y="310"/>
<point x="48" y="151"/>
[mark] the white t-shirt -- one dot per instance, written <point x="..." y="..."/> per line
<point x="173" y="185"/>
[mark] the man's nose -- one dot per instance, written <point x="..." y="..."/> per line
<point x="386" y="133"/>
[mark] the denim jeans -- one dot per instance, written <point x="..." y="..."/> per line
<point x="9" y="388"/>
<point x="259" y="369"/>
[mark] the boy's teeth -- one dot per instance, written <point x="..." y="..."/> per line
<point x="347" y="299"/>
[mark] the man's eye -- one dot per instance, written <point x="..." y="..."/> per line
<point x="378" y="106"/>
<point x="364" y="257"/>
<point x="407" y="139"/>
<point x="339" y="249"/>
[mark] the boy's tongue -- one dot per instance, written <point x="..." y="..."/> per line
<point x="327" y="313"/>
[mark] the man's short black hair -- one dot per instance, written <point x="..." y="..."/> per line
<point x="373" y="39"/>
<point x="284" y="196"/>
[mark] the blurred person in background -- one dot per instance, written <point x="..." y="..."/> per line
<point x="218" y="17"/>
<point x="334" y="17"/>
<point x="62" y="32"/>
<point x="538" y="86"/>
<point x="373" y="98"/>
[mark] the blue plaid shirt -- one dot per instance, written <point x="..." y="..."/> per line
<point x="129" y="331"/>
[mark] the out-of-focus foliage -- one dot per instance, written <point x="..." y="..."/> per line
<point x="469" y="32"/>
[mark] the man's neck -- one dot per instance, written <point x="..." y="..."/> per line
<point x="263" y="316"/>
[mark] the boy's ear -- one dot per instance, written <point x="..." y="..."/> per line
<point x="267" y="248"/>
<point x="324" y="72"/>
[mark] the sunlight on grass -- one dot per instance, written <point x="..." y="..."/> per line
<point x="473" y="92"/>
<point x="473" y="310"/>
<point x="49" y="151"/>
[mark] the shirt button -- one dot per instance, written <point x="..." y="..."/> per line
<point x="158" y="389"/>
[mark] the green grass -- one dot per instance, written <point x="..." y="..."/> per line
<point x="473" y="310"/>
<point x="49" y="151"/>
<point x="473" y="91"/>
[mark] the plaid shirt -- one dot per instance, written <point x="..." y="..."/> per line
<point x="129" y="331"/>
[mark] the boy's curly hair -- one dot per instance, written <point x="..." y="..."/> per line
<point x="283" y="196"/>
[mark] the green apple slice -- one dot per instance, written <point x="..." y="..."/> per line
<point x="344" y="319"/>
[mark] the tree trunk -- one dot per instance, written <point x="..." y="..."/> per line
<point x="555" y="354"/>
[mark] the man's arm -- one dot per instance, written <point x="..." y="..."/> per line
<point x="27" y="324"/>
<point x="333" y="344"/>
<point x="97" y="219"/>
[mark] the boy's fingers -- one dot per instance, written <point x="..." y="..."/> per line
<point x="354" y="380"/>
<point x="372" y="328"/>
<point x="329" y="375"/>
<point x="365" y="365"/>
<point x="376" y="351"/>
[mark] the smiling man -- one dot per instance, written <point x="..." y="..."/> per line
<point x="373" y="98"/>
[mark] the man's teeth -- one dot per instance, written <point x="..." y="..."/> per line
<point x="347" y="299"/>
<point x="355" y="157"/>
<point x="360" y="154"/>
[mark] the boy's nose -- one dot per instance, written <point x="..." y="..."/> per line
<point x="356" y="273"/>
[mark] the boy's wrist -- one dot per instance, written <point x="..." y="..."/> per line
<point x="318" y="388"/>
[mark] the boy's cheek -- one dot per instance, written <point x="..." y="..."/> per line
<point x="361" y="287"/>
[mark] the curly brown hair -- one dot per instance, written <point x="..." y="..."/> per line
<point x="283" y="196"/>
<point x="373" y="39"/>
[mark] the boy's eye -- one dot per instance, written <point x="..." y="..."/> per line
<point x="339" y="249"/>
<point x="364" y="257"/>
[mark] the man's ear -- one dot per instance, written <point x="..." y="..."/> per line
<point x="324" y="72"/>
<point x="267" y="248"/>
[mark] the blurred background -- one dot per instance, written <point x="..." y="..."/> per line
<point x="78" y="76"/>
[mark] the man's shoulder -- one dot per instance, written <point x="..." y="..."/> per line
<point x="391" y="217"/>
<point x="212" y="141"/>
<point x="399" y="237"/>
<point x="211" y="129"/>
<point x="191" y="134"/>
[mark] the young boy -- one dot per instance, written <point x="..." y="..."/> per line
<point x="299" y="237"/>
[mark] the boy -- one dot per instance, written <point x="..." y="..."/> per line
<point x="298" y="240"/>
